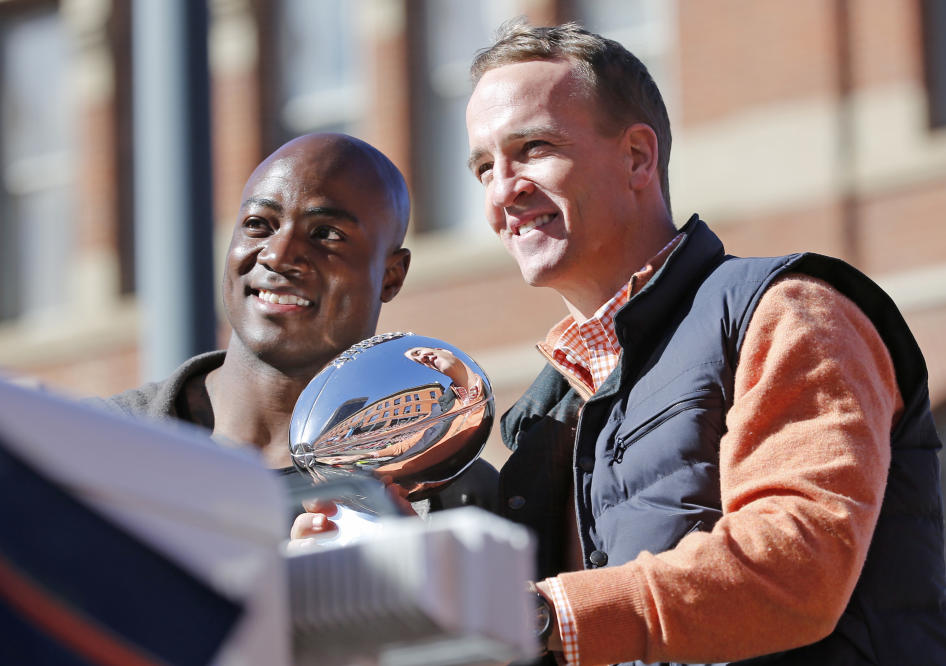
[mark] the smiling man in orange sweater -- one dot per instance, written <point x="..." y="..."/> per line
<point x="723" y="458"/>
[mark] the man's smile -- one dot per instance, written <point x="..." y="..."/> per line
<point x="534" y="223"/>
<point x="281" y="299"/>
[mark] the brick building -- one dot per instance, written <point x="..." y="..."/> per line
<point x="798" y="124"/>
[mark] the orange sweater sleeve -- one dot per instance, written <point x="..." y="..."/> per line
<point x="803" y="468"/>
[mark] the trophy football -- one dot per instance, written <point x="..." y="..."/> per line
<point x="410" y="410"/>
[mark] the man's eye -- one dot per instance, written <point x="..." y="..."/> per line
<point x="256" y="225"/>
<point x="483" y="169"/>
<point x="327" y="233"/>
<point x="532" y="145"/>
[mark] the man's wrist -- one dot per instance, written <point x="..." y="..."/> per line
<point x="544" y="615"/>
<point x="550" y="639"/>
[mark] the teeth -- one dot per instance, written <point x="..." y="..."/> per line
<point x="535" y="223"/>
<point x="282" y="299"/>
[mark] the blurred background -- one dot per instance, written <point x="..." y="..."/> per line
<point x="798" y="125"/>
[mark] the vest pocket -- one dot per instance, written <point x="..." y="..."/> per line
<point x="703" y="399"/>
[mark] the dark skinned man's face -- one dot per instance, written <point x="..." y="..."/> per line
<point x="313" y="256"/>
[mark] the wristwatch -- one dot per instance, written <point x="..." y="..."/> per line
<point x="544" y="616"/>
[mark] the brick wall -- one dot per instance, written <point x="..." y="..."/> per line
<point x="736" y="61"/>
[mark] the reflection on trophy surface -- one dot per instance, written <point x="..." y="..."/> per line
<point x="412" y="409"/>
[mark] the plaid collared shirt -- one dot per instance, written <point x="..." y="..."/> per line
<point x="589" y="350"/>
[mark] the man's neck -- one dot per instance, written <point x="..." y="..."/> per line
<point x="253" y="403"/>
<point x="583" y="300"/>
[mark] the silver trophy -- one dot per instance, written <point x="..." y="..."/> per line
<point x="408" y="409"/>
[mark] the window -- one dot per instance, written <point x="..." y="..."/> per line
<point x="37" y="222"/>
<point x="453" y="31"/>
<point x="641" y="26"/>
<point x="319" y="67"/>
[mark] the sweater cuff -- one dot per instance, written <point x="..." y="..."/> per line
<point x="600" y="600"/>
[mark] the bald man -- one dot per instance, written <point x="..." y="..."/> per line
<point x="315" y="252"/>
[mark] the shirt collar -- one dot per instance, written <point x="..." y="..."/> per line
<point x="587" y="352"/>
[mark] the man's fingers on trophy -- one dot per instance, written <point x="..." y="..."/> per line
<point x="308" y="525"/>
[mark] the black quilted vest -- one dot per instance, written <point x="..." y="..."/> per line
<point x="644" y="454"/>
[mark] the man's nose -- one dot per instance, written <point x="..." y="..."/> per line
<point x="285" y="251"/>
<point x="507" y="185"/>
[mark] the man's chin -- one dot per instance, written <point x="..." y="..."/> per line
<point x="537" y="277"/>
<point x="297" y="352"/>
<point x="291" y="360"/>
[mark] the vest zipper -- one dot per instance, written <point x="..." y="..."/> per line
<point x="623" y="443"/>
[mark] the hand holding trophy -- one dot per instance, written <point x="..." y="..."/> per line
<point x="412" y="410"/>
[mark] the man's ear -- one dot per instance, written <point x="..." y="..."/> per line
<point x="394" y="273"/>
<point x="641" y="152"/>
